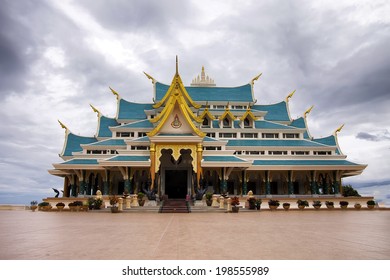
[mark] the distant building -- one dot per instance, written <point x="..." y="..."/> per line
<point x="202" y="136"/>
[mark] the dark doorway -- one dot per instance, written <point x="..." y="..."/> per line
<point x="176" y="183"/>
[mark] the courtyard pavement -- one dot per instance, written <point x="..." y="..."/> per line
<point x="279" y="235"/>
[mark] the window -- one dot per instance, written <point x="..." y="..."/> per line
<point x="212" y="148"/>
<point x="270" y="135"/>
<point x="249" y="135"/>
<point x="228" y="135"/>
<point x="226" y="123"/>
<point x="219" y="106"/>
<point x="247" y="122"/>
<point x="237" y="153"/>
<point x="254" y="152"/>
<point x="277" y="153"/>
<point x="290" y="135"/>
<point x="211" y="134"/>
<point x="125" y="134"/>
<point x="141" y="134"/>
<point x="139" y="148"/>
<point x="300" y="153"/>
<point x="206" y="122"/>
<point x="322" y="153"/>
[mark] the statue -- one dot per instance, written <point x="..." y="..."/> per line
<point x="57" y="192"/>
<point x="98" y="194"/>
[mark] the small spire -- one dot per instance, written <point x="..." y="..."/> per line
<point x="115" y="93"/>
<point x="62" y="125"/>
<point x="339" y="129"/>
<point x="290" y="95"/>
<point x="308" y="111"/>
<point x="177" y="66"/>
<point x="94" y="109"/>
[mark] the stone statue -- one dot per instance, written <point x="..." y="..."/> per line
<point x="56" y="191"/>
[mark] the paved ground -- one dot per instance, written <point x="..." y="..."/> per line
<point x="259" y="235"/>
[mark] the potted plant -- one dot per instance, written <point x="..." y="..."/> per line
<point x="317" y="204"/>
<point x="371" y="204"/>
<point x="114" y="204"/>
<point x="33" y="206"/>
<point x="209" y="199"/>
<point x="302" y="204"/>
<point x="252" y="202"/>
<point x="60" y="206"/>
<point x="78" y="204"/>
<point x="141" y="200"/>
<point x="286" y="206"/>
<point x="235" y="202"/>
<point x="329" y="204"/>
<point x="98" y="204"/>
<point x="258" y="203"/>
<point x="357" y="206"/>
<point x="91" y="203"/>
<point x="72" y="206"/>
<point x="273" y="204"/>
<point x="343" y="204"/>
<point x="44" y="206"/>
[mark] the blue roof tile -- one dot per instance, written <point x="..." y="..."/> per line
<point x="303" y="162"/>
<point x="81" y="161"/>
<point x="225" y="94"/>
<point x="73" y="143"/>
<point x="132" y="111"/>
<point x="129" y="158"/>
<point x="139" y="124"/>
<point x="223" y="158"/>
<point x="104" y="124"/>
<point x="275" y="112"/>
<point x="109" y="142"/>
<point x="271" y="125"/>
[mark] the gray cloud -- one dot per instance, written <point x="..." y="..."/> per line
<point x="378" y="136"/>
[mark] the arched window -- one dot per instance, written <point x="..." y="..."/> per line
<point x="226" y="122"/>
<point x="206" y="122"/>
<point x="247" y="122"/>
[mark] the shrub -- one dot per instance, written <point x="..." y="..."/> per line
<point x="209" y="196"/>
<point x="258" y="202"/>
<point x="303" y="203"/>
<point x="273" y="203"/>
<point x="286" y="204"/>
<point x="33" y="203"/>
<point x="344" y="203"/>
<point x="78" y="203"/>
<point x="235" y="201"/>
<point x="113" y="200"/>
<point x="330" y="203"/>
<point x="43" y="203"/>
<point x="60" y="204"/>
<point x="98" y="203"/>
<point x="371" y="202"/>
<point x="317" y="203"/>
<point x="141" y="195"/>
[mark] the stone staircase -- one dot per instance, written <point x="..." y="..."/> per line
<point x="175" y="206"/>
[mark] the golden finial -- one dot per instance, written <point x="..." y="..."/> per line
<point x="308" y="111"/>
<point x="62" y="125"/>
<point x="256" y="78"/>
<point x="177" y="66"/>
<point x="290" y="95"/>
<point x="115" y="93"/>
<point x="150" y="78"/>
<point x="339" y="129"/>
<point x="94" y="109"/>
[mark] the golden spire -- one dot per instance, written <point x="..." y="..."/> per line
<point x="94" y="109"/>
<point x="115" y="93"/>
<point x="308" y="111"/>
<point x="339" y="129"/>
<point x="177" y="66"/>
<point x="256" y="78"/>
<point x="290" y="95"/>
<point x="63" y="126"/>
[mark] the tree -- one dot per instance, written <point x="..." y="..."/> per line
<point x="348" y="190"/>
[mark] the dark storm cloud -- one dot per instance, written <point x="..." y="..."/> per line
<point x="144" y="16"/>
<point x="380" y="136"/>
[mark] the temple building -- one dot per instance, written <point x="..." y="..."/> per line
<point x="202" y="137"/>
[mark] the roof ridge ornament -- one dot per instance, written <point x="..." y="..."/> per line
<point x="115" y="93"/>
<point x="339" y="129"/>
<point x="63" y="126"/>
<point x="290" y="95"/>
<point x="150" y="78"/>
<point x="308" y="111"/>
<point x="256" y="78"/>
<point x="95" y="110"/>
<point x="203" y="80"/>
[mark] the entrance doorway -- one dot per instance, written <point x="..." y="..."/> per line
<point x="176" y="183"/>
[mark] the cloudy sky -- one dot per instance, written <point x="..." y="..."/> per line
<point x="57" y="57"/>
